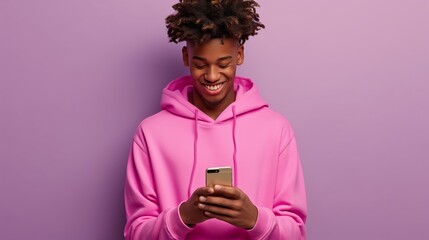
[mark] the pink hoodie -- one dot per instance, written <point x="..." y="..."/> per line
<point x="172" y="149"/>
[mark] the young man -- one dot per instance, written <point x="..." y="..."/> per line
<point x="214" y="118"/>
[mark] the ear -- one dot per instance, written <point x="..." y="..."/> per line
<point x="185" y="56"/>
<point x="240" y="55"/>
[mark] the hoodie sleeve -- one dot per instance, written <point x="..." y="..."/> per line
<point x="287" y="217"/>
<point x="145" y="220"/>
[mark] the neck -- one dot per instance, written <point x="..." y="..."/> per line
<point x="213" y="110"/>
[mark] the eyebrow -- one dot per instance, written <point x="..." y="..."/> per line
<point x="218" y="60"/>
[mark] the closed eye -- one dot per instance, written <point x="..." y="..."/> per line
<point x="199" y="66"/>
<point x="224" y="66"/>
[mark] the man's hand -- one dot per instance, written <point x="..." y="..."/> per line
<point x="231" y="205"/>
<point x="189" y="211"/>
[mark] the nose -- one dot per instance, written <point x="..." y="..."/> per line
<point x="212" y="74"/>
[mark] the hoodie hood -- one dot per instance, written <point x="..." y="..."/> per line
<point x="175" y="99"/>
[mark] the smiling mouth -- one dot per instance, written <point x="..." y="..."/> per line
<point x="213" y="87"/>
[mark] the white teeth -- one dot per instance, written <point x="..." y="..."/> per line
<point x="213" y="87"/>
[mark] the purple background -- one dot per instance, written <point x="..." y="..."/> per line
<point x="78" y="76"/>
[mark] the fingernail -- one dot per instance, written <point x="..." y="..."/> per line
<point x="200" y="205"/>
<point x="217" y="187"/>
<point x="203" y="199"/>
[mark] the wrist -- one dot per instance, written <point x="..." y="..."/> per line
<point x="253" y="221"/>
<point x="183" y="216"/>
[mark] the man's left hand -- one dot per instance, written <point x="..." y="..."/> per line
<point x="230" y="204"/>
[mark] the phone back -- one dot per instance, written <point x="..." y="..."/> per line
<point x="219" y="176"/>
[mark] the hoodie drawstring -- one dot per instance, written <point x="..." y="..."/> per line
<point x="194" y="165"/>
<point x="234" y="156"/>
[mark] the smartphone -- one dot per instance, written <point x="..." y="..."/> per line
<point x="219" y="176"/>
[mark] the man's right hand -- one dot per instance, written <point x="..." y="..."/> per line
<point x="189" y="211"/>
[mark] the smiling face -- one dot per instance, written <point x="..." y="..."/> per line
<point x="213" y="66"/>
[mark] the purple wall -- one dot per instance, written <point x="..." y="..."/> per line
<point x="76" y="77"/>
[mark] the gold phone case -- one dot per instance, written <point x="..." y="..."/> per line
<point x="219" y="176"/>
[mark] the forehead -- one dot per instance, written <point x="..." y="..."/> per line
<point x="214" y="48"/>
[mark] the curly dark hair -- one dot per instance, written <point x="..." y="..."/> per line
<point x="200" y="20"/>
